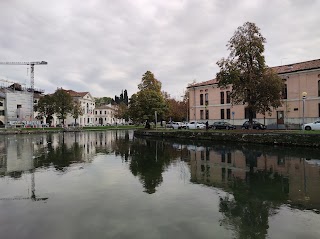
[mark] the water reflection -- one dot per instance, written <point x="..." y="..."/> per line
<point x="256" y="181"/>
<point x="259" y="180"/>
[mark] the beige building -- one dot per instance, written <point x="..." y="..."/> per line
<point x="212" y="103"/>
<point x="105" y="115"/>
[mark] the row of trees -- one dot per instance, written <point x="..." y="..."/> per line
<point x="253" y="82"/>
<point x="123" y="98"/>
<point x="59" y="103"/>
<point x="150" y="100"/>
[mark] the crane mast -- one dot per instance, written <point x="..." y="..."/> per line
<point x="31" y="64"/>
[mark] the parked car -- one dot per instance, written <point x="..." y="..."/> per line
<point x="90" y="124"/>
<point x="195" y="125"/>
<point x="174" y="125"/>
<point x="312" y="126"/>
<point x="222" y="125"/>
<point x="73" y="125"/>
<point x="255" y="125"/>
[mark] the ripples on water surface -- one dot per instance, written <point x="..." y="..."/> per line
<point x="112" y="185"/>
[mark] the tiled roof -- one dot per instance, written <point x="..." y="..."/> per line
<point x="301" y="66"/>
<point x="76" y="94"/>
<point x="209" y="82"/>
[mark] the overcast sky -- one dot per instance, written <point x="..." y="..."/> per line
<point x="105" y="46"/>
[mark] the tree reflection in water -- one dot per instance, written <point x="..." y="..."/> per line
<point x="148" y="161"/>
<point x="253" y="201"/>
<point x="60" y="156"/>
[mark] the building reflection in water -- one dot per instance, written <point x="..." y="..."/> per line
<point x="24" y="154"/>
<point x="281" y="174"/>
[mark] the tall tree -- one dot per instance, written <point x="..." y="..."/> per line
<point x="63" y="104"/>
<point x="121" y="111"/>
<point x="149" y="82"/>
<point x="126" y="99"/>
<point x="147" y="100"/>
<point x="46" y="108"/>
<point x="76" y="111"/>
<point x="253" y="83"/>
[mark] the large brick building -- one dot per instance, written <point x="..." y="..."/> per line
<point x="208" y="102"/>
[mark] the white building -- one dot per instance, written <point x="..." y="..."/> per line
<point x="105" y="115"/>
<point x="15" y="104"/>
<point x="87" y="104"/>
<point x="2" y="112"/>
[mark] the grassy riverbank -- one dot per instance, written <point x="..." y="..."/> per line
<point x="59" y="129"/>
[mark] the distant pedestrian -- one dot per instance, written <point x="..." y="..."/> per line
<point x="147" y="125"/>
<point x="207" y="125"/>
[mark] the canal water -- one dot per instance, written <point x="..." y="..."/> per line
<point x="112" y="185"/>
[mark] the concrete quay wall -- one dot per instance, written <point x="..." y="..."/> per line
<point x="260" y="137"/>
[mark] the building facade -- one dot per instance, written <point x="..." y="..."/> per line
<point x="87" y="104"/>
<point x="208" y="102"/>
<point x="105" y="115"/>
<point x="16" y="105"/>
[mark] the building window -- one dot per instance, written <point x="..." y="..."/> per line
<point x="246" y="114"/>
<point x="222" y="97"/>
<point x="1" y="112"/>
<point x="18" y="106"/>
<point x="1" y="103"/>
<point x="284" y="91"/>
<point x="207" y="114"/>
<point x="206" y="98"/>
<point x="228" y="97"/>
<point x="100" y="112"/>
<point x="201" y="114"/>
<point x="228" y="114"/>
<point x="319" y="88"/>
<point x="105" y="112"/>
<point x="201" y="99"/>
<point x="223" y="158"/>
<point x="222" y="113"/>
<point x="96" y="112"/>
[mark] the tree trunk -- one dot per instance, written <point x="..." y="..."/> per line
<point x="250" y="117"/>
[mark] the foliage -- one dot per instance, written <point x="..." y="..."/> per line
<point x="122" y="99"/>
<point x="46" y="108"/>
<point x="76" y="110"/>
<point x="149" y="99"/>
<point x="102" y="101"/>
<point x="121" y="111"/>
<point x="63" y="104"/>
<point x="149" y="82"/>
<point x="253" y="83"/>
<point x="177" y="110"/>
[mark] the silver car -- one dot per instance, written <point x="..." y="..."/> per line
<point x="195" y="125"/>
<point x="312" y="126"/>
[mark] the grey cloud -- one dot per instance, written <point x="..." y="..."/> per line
<point x="106" y="46"/>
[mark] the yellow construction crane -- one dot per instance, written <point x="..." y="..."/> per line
<point x="31" y="64"/>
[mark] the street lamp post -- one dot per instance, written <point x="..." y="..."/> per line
<point x="304" y="96"/>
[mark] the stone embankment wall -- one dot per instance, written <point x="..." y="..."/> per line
<point x="260" y="137"/>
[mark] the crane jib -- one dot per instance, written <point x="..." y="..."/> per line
<point x="25" y="63"/>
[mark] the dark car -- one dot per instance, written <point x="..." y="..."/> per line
<point x="255" y="125"/>
<point x="222" y="125"/>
